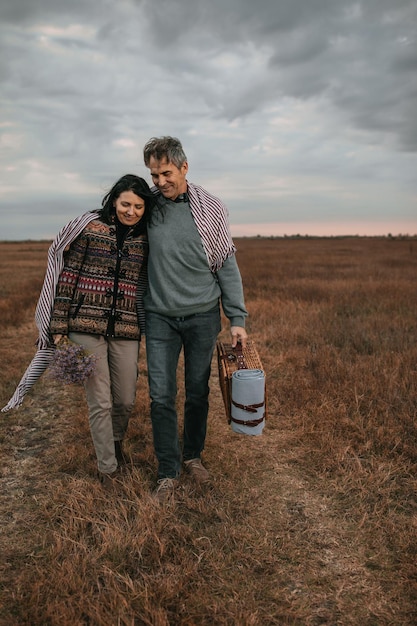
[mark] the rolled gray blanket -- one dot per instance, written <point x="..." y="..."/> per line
<point x="248" y="401"/>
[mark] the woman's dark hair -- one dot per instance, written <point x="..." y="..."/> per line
<point x="138" y="186"/>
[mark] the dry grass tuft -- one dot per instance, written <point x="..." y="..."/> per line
<point x="314" y="522"/>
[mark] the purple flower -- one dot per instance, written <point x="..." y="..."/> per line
<point x="71" y="363"/>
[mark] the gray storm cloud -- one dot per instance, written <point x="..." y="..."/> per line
<point x="312" y="101"/>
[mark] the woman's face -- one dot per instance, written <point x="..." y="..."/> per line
<point x="129" y="208"/>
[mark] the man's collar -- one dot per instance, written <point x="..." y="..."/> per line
<point x="183" y="197"/>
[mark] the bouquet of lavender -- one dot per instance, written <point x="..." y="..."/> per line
<point x="71" y="363"/>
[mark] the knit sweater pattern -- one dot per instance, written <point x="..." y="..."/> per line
<point x="97" y="290"/>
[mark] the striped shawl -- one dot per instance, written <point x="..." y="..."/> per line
<point x="212" y="220"/>
<point x="43" y="313"/>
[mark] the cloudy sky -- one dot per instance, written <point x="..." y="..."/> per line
<point x="300" y="114"/>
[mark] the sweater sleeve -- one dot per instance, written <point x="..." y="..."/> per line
<point x="142" y="286"/>
<point x="67" y="284"/>
<point x="231" y="287"/>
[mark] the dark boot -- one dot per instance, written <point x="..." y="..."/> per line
<point x="109" y="482"/>
<point x="121" y="457"/>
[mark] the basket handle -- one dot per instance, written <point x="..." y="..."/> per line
<point x="236" y="355"/>
<point x="241" y="363"/>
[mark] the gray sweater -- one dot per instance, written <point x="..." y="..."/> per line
<point x="180" y="280"/>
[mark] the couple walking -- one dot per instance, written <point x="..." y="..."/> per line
<point x="157" y="262"/>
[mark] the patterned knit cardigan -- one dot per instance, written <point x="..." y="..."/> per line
<point x="97" y="291"/>
<point x="44" y="308"/>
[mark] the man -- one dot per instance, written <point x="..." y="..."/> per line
<point x="192" y="267"/>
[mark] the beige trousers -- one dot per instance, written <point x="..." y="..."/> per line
<point x="110" y="392"/>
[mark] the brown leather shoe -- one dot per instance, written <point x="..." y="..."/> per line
<point x="165" y="489"/>
<point x="197" y="471"/>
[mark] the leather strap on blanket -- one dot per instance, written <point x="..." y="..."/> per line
<point x="249" y="422"/>
<point x="250" y="408"/>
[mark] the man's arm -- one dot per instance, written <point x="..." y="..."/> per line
<point x="233" y="302"/>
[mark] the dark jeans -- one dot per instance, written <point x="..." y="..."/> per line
<point x="165" y="336"/>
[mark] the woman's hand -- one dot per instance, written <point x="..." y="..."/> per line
<point x="56" y="339"/>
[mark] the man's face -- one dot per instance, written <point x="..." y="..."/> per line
<point x="169" y="179"/>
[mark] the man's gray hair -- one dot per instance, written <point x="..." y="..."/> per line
<point x="169" y="148"/>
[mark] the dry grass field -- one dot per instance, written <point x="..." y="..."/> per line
<point x="314" y="522"/>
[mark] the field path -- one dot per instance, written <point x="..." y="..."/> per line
<point x="312" y="523"/>
<point x="285" y="531"/>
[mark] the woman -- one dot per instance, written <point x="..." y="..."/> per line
<point x="96" y="305"/>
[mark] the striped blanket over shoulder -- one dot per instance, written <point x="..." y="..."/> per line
<point x="46" y="350"/>
<point x="212" y="220"/>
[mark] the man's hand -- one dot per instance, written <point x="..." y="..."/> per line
<point x="238" y="334"/>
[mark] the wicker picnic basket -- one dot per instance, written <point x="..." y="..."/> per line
<point x="231" y="360"/>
